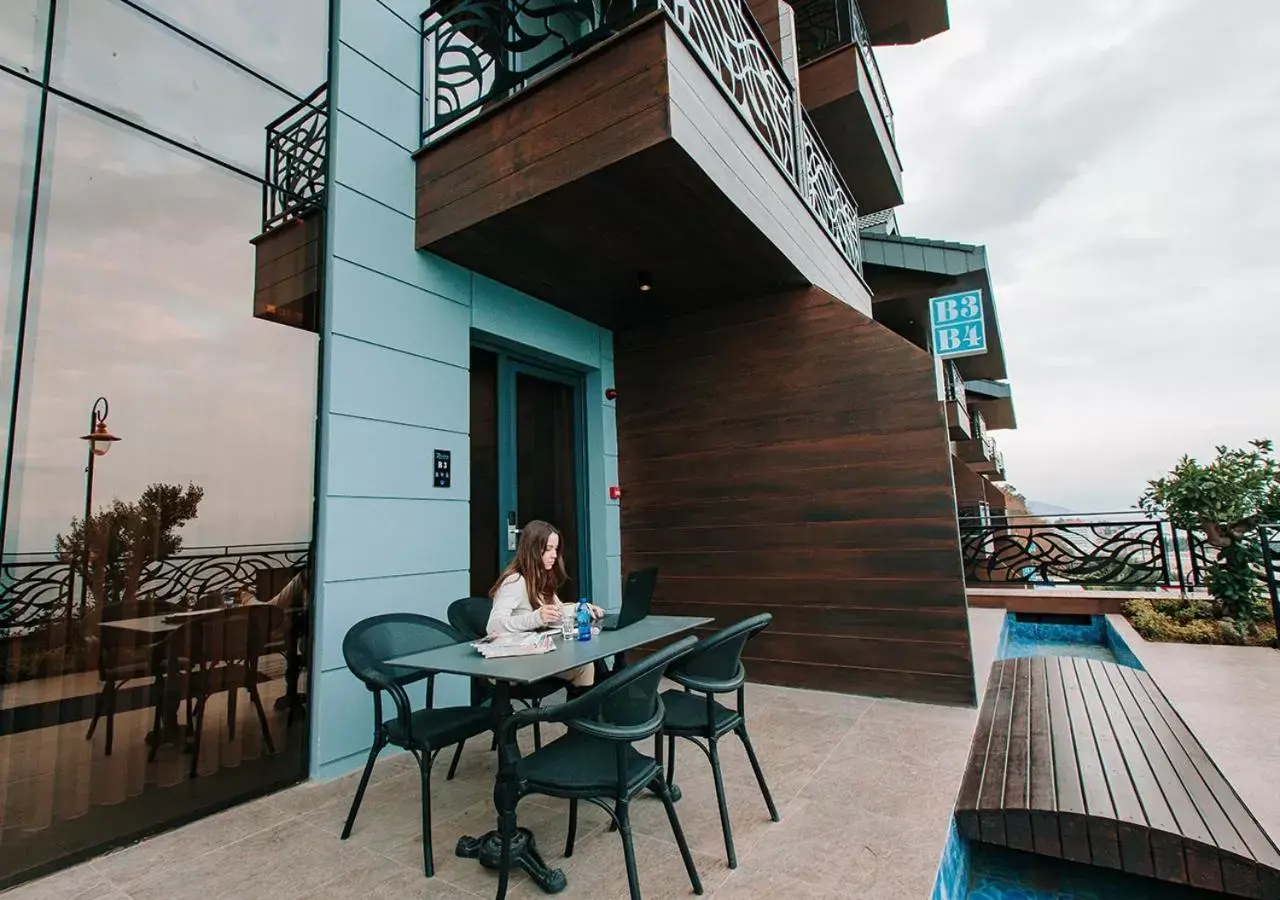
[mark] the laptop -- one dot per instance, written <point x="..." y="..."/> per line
<point x="637" y="594"/>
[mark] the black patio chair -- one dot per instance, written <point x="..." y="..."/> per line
<point x="367" y="648"/>
<point x="470" y="616"/>
<point x="596" y="760"/>
<point x="712" y="667"/>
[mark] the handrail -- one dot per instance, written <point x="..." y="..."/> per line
<point x="823" y="26"/>
<point x="297" y="150"/>
<point x="954" y="385"/>
<point x="478" y="51"/>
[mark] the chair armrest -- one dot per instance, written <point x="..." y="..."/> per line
<point x="621" y="733"/>
<point x="384" y="682"/>
<point x="710" y="685"/>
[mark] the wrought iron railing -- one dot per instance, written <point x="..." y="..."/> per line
<point x="1117" y="551"/>
<point x="297" y="155"/>
<point x="826" y="25"/>
<point x="954" y="386"/>
<point x="977" y="426"/>
<point x="36" y="588"/>
<point x="1269" y="535"/>
<point x="992" y="452"/>
<point x="476" y="52"/>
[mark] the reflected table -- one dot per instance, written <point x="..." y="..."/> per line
<point x="462" y="659"/>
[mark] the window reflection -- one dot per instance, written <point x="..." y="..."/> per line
<point x="283" y="39"/>
<point x="143" y="293"/>
<point x="113" y="55"/>
<point x="22" y="35"/>
<point x="19" y="103"/>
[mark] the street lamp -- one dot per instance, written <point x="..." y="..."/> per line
<point x="100" y="440"/>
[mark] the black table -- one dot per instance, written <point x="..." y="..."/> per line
<point x="462" y="659"/>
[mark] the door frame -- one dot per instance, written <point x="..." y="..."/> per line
<point x="524" y="361"/>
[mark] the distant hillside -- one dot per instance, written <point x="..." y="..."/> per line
<point x="1040" y="508"/>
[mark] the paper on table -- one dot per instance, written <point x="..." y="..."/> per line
<point x="529" y="644"/>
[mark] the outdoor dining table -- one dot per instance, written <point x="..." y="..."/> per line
<point x="463" y="659"/>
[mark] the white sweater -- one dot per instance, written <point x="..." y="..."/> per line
<point x="512" y="611"/>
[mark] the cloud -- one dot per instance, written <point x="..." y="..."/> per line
<point x="1119" y="161"/>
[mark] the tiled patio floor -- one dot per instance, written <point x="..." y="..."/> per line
<point x="864" y="788"/>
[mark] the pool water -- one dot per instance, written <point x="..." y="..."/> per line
<point x="999" y="874"/>
<point x="1041" y="634"/>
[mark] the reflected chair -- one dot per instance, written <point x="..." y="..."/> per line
<point x="596" y="760"/>
<point x="367" y="648"/>
<point x="223" y="650"/>
<point x="470" y="616"/>
<point x="714" y="667"/>
<point x="120" y="661"/>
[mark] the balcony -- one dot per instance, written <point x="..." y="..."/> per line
<point x="905" y="21"/>
<point x="626" y="164"/>
<point x="289" y="251"/>
<point x="957" y="407"/>
<point x="980" y="452"/>
<point x="841" y="86"/>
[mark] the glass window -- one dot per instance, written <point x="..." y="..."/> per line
<point x="143" y="293"/>
<point x="121" y="60"/>
<point x="19" y="106"/>
<point x="285" y="40"/>
<point x="22" y="35"/>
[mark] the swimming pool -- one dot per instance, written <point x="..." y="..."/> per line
<point x="1053" y="634"/>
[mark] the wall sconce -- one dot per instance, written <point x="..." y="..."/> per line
<point x="611" y="393"/>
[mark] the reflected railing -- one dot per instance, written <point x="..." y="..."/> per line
<point x="37" y="589"/>
<point x="296" y="159"/>
<point x="476" y="52"/>
<point x="826" y="25"/>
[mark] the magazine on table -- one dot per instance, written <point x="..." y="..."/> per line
<point x="528" y="644"/>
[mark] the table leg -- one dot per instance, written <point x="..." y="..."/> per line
<point x="524" y="851"/>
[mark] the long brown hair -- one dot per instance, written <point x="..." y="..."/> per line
<point x="540" y="583"/>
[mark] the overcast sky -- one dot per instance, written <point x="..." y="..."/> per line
<point x="1121" y="162"/>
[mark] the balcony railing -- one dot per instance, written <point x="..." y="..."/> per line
<point x="476" y="52"/>
<point x="37" y="589"/>
<point x="977" y="426"/>
<point x="1270" y="538"/>
<point x="297" y="153"/>
<point x="826" y="25"/>
<point x="954" y="386"/>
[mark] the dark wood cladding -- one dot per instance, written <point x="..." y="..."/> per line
<point x="767" y="15"/>
<point x="1088" y="761"/>
<point x="971" y="488"/>
<point x="288" y="267"/>
<point x="627" y="160"/>
<point x="788" y="454"/>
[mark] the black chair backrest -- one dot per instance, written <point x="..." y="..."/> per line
<point x="717" y="658"/>
<point x="470" y="616"/>
<point x="370" y="643"/>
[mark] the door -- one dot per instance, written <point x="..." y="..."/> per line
<point x="526" y="463"/>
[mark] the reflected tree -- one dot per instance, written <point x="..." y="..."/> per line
<point x="122" y="539"/>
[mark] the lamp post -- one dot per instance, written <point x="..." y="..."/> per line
<point x="100" y="440"/>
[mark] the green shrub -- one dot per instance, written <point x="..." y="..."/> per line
<point x="1192" y="621"/>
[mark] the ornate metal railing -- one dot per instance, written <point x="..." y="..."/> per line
<point x="954" y="385"/>
<point x="297" y="154"/>
<point x="478" y="51"/>
<point x="826" y="25"/>
<point x="35" y="589"/>
<point x="1269" y="535"/>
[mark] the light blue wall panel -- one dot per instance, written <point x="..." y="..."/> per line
<point x="506" y="313"/>
<point x="375" y="537"/>
<point x="377" y="98"/>
<point x="394" y="386"/>
<point x="380" y="170"/>
<point x="379" y="35"/>
<point x="381" y="310"/>
<point x="347" y="602"/>
<point x="396" y="460"/>
<point x="379" y="238"/>
<point x="399" y="325"/>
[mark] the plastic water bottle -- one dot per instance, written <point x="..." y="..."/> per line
<point x="583" y="618"/>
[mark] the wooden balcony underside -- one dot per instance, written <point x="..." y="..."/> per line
<point x="628" y="160"/>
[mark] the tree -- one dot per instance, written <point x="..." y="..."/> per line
<point x="1226" y="500"/>
<point x="124" y="538"/>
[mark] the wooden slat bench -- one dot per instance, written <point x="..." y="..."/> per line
<point x="1087" y="761"/>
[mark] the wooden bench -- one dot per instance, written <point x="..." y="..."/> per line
<point x="1088" y="761"/>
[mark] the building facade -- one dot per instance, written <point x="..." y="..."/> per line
<point x="364" y="286"/>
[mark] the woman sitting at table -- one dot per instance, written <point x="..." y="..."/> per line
<point x="524" y="596"/>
